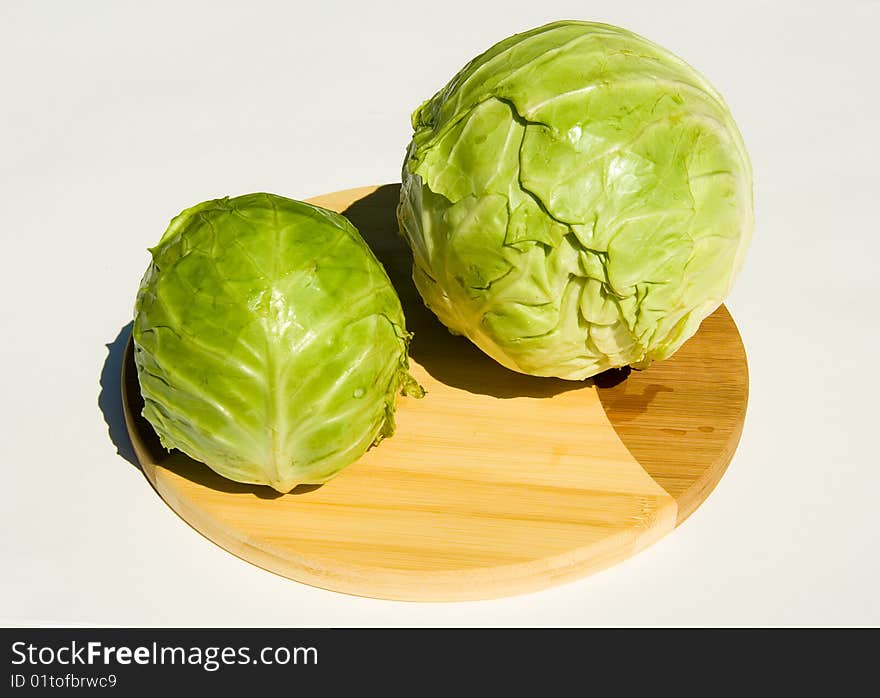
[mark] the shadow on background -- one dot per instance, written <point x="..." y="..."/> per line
<point x="110" y="397"/>
<point x="450" y="359"/>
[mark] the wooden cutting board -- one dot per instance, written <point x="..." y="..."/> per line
<point x="495" y="483"/>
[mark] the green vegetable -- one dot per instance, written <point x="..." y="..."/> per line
<point x="576" y="198"/>
<point x="269" y="342"/>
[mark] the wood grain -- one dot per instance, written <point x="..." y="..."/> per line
<point x="682" y="418"/>
<point x="495" y="483"/>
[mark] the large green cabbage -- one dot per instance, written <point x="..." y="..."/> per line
<point x="577" y="198"/>
<point x="269" y="342"/>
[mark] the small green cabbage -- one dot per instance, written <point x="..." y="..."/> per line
<point x="269" y="342"/>
<point x="577" y="198"/>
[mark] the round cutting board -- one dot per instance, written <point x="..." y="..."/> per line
<point x="494" y="483"/>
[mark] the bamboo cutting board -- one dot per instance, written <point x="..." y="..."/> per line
<point x="495" y="483"/>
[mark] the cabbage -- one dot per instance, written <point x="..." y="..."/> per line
<point x="269" y="342"/>
<point x="577" y="198"/>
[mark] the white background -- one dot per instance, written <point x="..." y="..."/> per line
<point x="115" y="116"/>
